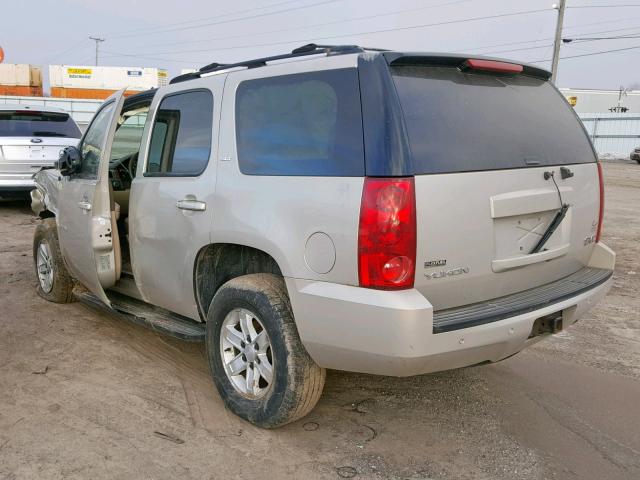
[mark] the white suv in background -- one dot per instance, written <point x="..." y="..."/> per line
<point x="381" y="212"/>
<point x="31" y="138"/>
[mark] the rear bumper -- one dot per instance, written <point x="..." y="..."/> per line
<point x="16" y="182"/>
<point x="392" y="333"/>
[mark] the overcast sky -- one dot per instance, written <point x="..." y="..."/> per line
<point x="184" y="34"/>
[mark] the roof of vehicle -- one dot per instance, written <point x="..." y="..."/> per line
<point x="35" y="108"/>
<point x="392" y="57"/>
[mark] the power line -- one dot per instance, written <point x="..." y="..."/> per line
<point x="482" y="47"/>
<point x="306" y="27"/>
<point x="564" y="40"/>
<point x="606" y="6"/>
<point x="385" y="30"/>
<point x="249" y="17"/>
<point x="571" y="27"/>
<point x="591" y="54"/>
<point x="230" y="14"/>
<point x="70" y="49"/>
<point x="517" y="49"/>
<point x="117" y="54"/>
<point x="590" y="39"/>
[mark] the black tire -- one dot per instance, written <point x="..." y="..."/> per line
<point x="297" y="380"/>
<point x="61" y="290"/>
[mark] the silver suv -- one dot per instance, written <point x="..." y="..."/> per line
<point x="31" y="138"/>
<point x="374" y="211"/>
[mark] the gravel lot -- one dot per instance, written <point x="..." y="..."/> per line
<point x="84" y="395"/>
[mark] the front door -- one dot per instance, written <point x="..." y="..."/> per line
<point x="170" y="209"/>
<point x="84" y="212"/>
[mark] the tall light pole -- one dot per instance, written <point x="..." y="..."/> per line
<point x="558" y="40"/>
<point x="98" y="40"/>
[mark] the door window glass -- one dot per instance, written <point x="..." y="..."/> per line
<point x="93" y="142"/>
<point x="181" y="136"/>
<point x="126" y="140"/>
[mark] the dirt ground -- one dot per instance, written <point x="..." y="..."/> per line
<point x="87" y="396"/>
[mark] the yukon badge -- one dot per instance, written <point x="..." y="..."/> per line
<point x="447" y="273"/>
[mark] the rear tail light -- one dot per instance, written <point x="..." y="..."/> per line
<point x="492" y="66"/>
<point x="387" y="233"/>
<point x="601" y="211"/>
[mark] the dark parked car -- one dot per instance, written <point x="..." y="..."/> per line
<point x="635" y="154"/>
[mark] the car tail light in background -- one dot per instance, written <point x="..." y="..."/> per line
<point x="492" y="66"/>
<point x="387" y="233"/>
<point x="601" y="211"/>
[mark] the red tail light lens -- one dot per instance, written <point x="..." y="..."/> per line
<point x="492" y="66"/>
<point x="387" y="233"/>
<point x="601" y="212"/>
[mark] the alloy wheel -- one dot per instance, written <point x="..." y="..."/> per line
<point x="246" y="353"/>
<point x="44" y="265"/>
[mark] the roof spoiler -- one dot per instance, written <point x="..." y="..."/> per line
<point x="462" y="62"/>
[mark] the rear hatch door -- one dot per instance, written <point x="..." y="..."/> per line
<point x="481" y="143"/>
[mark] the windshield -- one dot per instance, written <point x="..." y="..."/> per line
<point x="30" y="123"/>
<point x="461" y="122"/>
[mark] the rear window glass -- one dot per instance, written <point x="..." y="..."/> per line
<point x="301" y="124"/>
<point x="460" y="122"/>
<point x="30" y="123"/>
<point x="181" y="135"/>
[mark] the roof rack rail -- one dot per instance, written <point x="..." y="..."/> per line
<point x="309" y="49"/>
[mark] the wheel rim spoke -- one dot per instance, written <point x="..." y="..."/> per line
<point x="245" y="349"/>
<point x="44" y="267"/>
<point x="265" y="368"/>
<point x="233" y="336"/>
<point x="262" y="341"/>
<point x="246" y="325"/>
<point x="251" y="381"/>
<point x="237" y="365"/>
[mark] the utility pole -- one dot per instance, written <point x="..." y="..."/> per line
<point x="558" y="40"/>
<point x="98" y="40"/>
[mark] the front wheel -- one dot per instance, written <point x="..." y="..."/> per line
<point x="54" y="282"/>
<point x="259" y="365"/>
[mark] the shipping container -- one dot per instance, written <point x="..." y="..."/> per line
<point x="20" y="79"/>
<point x="77" y="81"/>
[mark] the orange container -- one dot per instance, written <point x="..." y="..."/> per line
<point x="20" y="90"/>
<point x="85" y="93"/>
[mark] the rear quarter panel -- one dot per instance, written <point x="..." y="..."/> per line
<point x="278" y="214"/>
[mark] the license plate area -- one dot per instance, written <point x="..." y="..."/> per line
<point x="36" y="153"/>
<point x="546" y="325"/>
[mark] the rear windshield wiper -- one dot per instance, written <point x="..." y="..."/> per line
<point x="555" y="223"/>
<point x="557" y="220"/>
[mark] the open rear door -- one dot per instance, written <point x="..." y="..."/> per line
<point x="85" y="227"/>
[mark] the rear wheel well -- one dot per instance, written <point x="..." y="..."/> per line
<point x="218" y="263"/>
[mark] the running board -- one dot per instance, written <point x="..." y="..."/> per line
<point x="145" y="314"/>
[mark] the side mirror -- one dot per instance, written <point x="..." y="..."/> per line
<point x="70" y="161"/>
